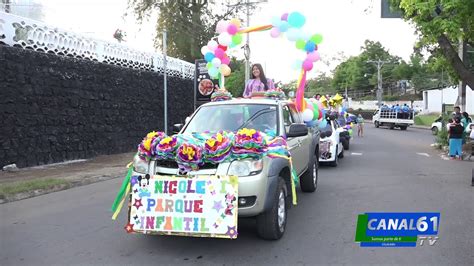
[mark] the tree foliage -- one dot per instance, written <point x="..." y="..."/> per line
<point x="235" y="83"/>
<point x="189" y="24"/>
<point x="441" y="24"/>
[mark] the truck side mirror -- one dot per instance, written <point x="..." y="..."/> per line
<point x="297" y="130"/>
<point x="177" y="128"/>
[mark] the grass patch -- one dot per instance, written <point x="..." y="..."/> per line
<point x="8" y="189"/>
<point x="425" y="120"/>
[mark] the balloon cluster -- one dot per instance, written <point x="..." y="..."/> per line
<point x="313" y="112"/>
<point x="215" y="52"/>
<point x="291" y="24"/>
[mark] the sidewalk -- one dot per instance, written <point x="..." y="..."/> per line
<point x="38" y="180"/>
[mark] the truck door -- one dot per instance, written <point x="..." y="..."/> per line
<point x="299" y="146"/>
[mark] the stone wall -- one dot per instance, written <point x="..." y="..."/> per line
<point x="56" y="108"/>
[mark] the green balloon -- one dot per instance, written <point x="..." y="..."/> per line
<point x="209" y="65"/>
<point x="237" y="39"/>
<point x="317" y="38"/>
<point x="300" y="44"/>
<point x="315" y="111"/>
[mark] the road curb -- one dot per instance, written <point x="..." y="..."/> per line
<point x="412" y="126"/>
<point x="56" y="188"/>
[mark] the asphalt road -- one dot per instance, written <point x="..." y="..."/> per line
<point x="382" y="172"/>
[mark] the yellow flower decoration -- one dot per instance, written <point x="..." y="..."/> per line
<point x="247" y="132"/>
<point x="189" y="151"/>
<point x="166" y="140"/>
<point x="211" y="142"/>
<point x="151" y="134"/>
<point x="147" y="143"/>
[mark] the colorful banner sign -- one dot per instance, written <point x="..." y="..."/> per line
<point x="202" y="206"/>
<point x="204" y="85"/>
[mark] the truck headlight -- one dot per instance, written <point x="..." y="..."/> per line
<point x="245" y="167"/>
<point x="139" y="165"/>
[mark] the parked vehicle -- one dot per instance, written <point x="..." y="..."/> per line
<point x="343" y="133"/>
<point x="265" y="184"/>
<point x="393" y="119"/>
<point x="330" y="147"/>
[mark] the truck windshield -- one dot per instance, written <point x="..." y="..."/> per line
<point x="233" y="117"/>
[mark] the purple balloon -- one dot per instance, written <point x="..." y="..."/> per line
<point x="284" y="17"/>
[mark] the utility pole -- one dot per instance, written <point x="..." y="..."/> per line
<point x="165" y="85"/>
<point x="379" y="64"/>
<point x="246" y="47"/>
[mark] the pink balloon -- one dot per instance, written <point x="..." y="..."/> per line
<point x="225" y="60"/>
<point x="232" y="29"/>
<point x="284" y="17"/>
<point x="307" y="65"/>
<point x="309" y="105"/>
<point x="219" y="53"/>
<point x="313" y="56"/>
<point x="275" y="32"/>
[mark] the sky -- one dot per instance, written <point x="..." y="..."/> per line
<point x="344" y="24"/>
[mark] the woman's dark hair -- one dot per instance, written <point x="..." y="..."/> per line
<point x="263" y="79"/>
<point x="457" y="120"/>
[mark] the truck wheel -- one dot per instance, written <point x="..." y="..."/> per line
<point x="272" y="223"/>
<point x="345" y="143"/>
<point x="376" y="123"/>
<point x="403" y="127"/>
<point x="434" y="130"/>
<point x="392" y="127"/>
<point x="309" y="180"/>
<point x="336" y="160"/>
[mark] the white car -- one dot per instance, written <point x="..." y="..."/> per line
<point x="330" y="145"/>
<point x="437" y="125"/>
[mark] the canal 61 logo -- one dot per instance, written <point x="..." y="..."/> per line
<point x="377" y="229"/>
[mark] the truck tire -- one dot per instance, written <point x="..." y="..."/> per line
<point x="309" y="180"/>
<point x="376" y="123"/>
<point x="434" y="130"/>
<point x="272" y="223"/>
<point x="392" y="126"/>
<point x="403" y="127"/>
<point x="345" y="143"/>
<point x="336" y="160"/>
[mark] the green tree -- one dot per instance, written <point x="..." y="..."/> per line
<point x="441" y="24"/>
<point x="235" y="82"/>
<point x="189" y="24"/>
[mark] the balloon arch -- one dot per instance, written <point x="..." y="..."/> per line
<point x="290" y="24"/>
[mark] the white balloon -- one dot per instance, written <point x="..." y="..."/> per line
<point x="225" y="39"/>
<point x="216" y="62"/>
<point x="307" y="115"/>
<point x="212" y="45"/>
<point x="293" y="34"/>
<point x="205" y="50"/>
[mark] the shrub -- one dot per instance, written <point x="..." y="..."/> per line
<point x="442" y="137"/>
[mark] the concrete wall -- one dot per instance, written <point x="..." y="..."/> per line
<point x="434" y="99"/>
<point x="56" y="108"/>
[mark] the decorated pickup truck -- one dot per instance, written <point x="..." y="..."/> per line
<point x="234" y="158"/>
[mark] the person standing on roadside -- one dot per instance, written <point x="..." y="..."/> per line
<point x="455" y="139"/>
<point x="360" y="126"/>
